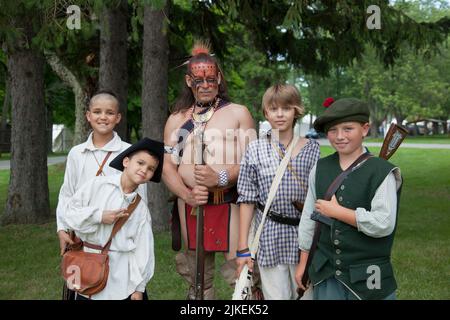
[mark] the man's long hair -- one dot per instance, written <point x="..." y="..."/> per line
<point x="186" y="99"/>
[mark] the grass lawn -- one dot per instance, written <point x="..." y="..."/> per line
<point x="29" y="261"/>
<point x="7" y="156"/>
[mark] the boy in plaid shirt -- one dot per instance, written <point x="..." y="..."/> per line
<point x="277" y="255"/>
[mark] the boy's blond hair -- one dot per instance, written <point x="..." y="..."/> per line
<point x="284" y="95"/>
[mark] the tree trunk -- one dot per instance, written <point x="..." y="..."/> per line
<point x="416" y="130"/>
<point x="427" y="131"/>
<point x="435" y="127"/>
<point x="374" y="125"/>
<point x="82" y="127"/>
<point x="154" y="101"/>
<point x="113" y="59"/>
<point x="81" y="96"/>
<point x="49" y="122"/>
<point x="399" y="117"/>
<point x="445" y="126"/>
<point x="5" y="105"/>
<point x="28" y="195"/>
<point x="374" y="121"/>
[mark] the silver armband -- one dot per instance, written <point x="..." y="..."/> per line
<point x="223" y="178"/>
<point x="169" y="149"/>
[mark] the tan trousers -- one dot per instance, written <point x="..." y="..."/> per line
<point x="185" y="263"/>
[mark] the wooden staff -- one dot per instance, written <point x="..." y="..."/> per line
<point x="199" y="245"/>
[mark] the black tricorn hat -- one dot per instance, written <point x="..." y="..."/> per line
<point x="155" y="148"/>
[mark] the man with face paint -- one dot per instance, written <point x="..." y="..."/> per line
<point x="226" y="128"/>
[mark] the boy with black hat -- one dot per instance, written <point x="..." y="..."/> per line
<point x="98" y="204"/>
<point x="352" y="256"/>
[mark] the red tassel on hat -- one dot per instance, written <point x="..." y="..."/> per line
<point x="328" y="102"/>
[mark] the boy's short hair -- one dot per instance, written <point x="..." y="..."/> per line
<point x="104" y="94"/>
<point x="284" y="95"/>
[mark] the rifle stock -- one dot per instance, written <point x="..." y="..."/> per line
<point x="394" y="137"/>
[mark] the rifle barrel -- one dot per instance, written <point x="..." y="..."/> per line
<point x="199" y="256"/>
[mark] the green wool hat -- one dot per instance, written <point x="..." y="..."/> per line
<point x="342" y="110"/>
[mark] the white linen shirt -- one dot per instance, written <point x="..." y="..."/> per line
<point x="82" y="166"/>
<point x="131" y="255"/>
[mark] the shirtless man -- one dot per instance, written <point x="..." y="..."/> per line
<point x="227" y="129"/>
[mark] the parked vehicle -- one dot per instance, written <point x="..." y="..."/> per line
<point x="313" y="134"/>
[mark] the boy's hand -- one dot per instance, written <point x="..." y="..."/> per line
<point x="198" y="196"/>
<point x="206" y="176"/>
<point x="299" y="271"/>
<point x="111" y="216"/>
<point x="64" y="240"/>
<point x="241" y="262"/>
<point x="327" y="208"/>
<point x="137" y="296"/>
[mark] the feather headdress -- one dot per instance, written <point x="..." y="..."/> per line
<point x="201" y="47"/>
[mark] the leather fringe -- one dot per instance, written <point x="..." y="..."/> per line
<point x="218" y="196"/>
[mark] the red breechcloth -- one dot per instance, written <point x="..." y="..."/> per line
<point x="216" y="227"/>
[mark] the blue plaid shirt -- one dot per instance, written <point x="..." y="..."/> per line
<point x="279" y="242"/>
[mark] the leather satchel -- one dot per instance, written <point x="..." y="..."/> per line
<point x="87" y="272"/>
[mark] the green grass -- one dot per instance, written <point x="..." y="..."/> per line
<point x="29" y="260"/>
<point x="7" y="156"/>
<point x="440" y="139"/>
<point x="55" y="180"/>
<point x="29" y="266"/>
<point x="4" y="182"/>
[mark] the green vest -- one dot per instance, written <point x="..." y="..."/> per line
<point x="344" y="252"/>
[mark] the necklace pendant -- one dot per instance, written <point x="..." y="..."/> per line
<point x="205" y="117"/>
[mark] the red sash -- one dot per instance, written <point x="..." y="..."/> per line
<point x="216" y="227"/>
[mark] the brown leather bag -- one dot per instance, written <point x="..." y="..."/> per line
<point x="87" y="272"/>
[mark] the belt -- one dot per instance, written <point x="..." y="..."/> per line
<point x="277" y="217"/>
<point x="221" y="196"/>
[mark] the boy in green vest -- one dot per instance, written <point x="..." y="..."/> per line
<point x="352" y="257"/>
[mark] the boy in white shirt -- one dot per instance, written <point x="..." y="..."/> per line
<point x="84" y="160"/>
<point x="97" y="205"/>
<point x="91" y="158"/>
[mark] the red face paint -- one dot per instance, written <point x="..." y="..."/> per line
<point x="204" y="71"/>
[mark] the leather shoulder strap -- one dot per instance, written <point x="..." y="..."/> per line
<point x="340" y="178"/>
<point x="119" y="223"/>
<point x="100" y="169"/>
